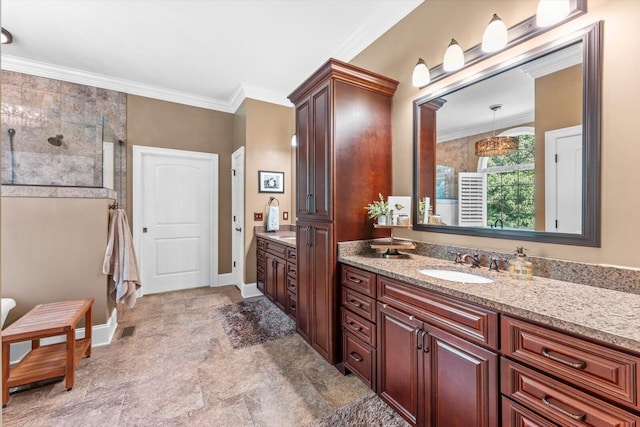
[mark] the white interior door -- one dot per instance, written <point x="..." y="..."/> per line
<point x="237" y="210"/>
<point x="175" y="226"/>
<point x="563" y="180"/>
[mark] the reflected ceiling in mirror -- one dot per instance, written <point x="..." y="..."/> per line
<point x="547" y="188"/>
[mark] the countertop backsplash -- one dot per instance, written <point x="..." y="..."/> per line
<point x="601" y="276"/>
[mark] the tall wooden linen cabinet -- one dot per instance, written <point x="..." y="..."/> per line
<point x="343" y="129"/>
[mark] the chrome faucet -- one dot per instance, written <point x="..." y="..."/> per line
<point x="494" y="263"/>
<point x="475" y="259"/>
<point x="458" y="255"/>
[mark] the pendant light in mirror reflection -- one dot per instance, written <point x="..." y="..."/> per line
<point x="551" y="12"/>
<point x="496" y="145"/>
<point x="421" y="76"/>
<point x="495" y="35"/>
<point x="453" y="57"/>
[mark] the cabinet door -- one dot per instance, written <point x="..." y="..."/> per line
<point x="320" y="155"/>
<point x="303" y="160"/>
<point x="324" y="296"/>
<point x="399" y="346"/>
<point x="275" y="280"/>
<point x="459" y="382"/>
<point x="303" y="282"/>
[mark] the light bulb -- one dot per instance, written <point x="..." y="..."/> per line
<point x="495" y="35"/>
<point x="421" y="76"/>
<point x="453" y="57"/>
<point x="551" y="12"/>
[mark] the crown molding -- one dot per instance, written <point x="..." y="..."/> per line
<point x="42" y="69"/>
<point x="379" y="24"/>
<point x="556" y="61"/>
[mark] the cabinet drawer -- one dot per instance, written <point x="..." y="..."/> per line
<point x="260" y="266"/>
<point x="291" y="305"/>
<point x="358" y="326"/>
<point x="359" y="280"/>
<point x="291" y="285"/>
<point x="609" y="373"/>
<point x="260" y="256"/>
<point x="559" y="402"/>
<point x="514" y="415"/>
<point x="276" y="249"/>
<point x="292" y="269"/>
<point x="292" y="255"/>
<point x="359" y="304"/>
<point x="261" y="244"/>
<point x="460" y="318"/>
<point x="359" y="358"/>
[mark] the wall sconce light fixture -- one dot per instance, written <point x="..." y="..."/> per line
<point x="294" y="141"/>
<point x="495" y="35"/>
<point x="421" y="76"/>
<point x="453" y="57"/>
<point x="551" y="12"/>
<point x="6" y="37"/>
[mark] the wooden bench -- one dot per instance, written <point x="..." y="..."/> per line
<point x="47" y="361"/>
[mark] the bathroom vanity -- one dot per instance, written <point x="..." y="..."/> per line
<point x="510" y="353"/>
<point x="276" y="267"/>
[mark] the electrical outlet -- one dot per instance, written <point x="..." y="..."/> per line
<point x="257" y="216"/>
<point x="285" y="215"/>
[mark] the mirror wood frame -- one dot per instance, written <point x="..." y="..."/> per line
<point x="424" y="140"/>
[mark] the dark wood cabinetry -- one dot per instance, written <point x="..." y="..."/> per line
<point x="276" y="274"/>
<point x="433" y="378"/>
<point x="574" y="378"/>
<point x="343" y="160"/>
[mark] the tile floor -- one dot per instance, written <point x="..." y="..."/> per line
<point x="179" y="369"/>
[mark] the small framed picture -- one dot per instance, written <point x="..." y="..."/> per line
<point x="270" y="182"/>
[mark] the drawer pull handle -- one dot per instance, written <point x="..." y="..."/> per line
<point x="418" y="342"/>
<point x="577" y="417"/>
<point x="354" y="280"/>
<point x="355" y="356"/>
<point x="292" y="287"/>
<point x="355" y="327"/>
<point x="292" y="307"/>
<point x="355" y="303"/>
<point x="576" y="365"/>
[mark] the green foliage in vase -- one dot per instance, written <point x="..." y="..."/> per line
<point x="378" y="207"/>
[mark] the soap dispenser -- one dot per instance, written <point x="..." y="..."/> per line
<point x="520" y="267"/>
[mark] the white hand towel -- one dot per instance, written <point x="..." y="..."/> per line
<point x="273" y="219"/>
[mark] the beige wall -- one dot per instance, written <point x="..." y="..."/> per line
<point x="268" y="147"/>
<point x="53" y="250"/>
<point x="155" y="123"/>
<point x="558" y="105"/>
<point x="426" y="33"/>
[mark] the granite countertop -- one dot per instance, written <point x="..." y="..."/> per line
<point x="285" y="237"/>
<point x="606" y="315"/>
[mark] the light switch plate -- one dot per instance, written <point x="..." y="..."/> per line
<point x="257" y="216"/>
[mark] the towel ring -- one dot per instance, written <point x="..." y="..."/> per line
<point x="271" y="199"/>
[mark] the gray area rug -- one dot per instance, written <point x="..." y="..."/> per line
<point x="367" y="411"/>
<point x="254" y="321"/>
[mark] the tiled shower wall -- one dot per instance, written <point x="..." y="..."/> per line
<point x="39" y="108"/>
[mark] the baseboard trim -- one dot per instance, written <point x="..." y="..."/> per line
<point x="249" y="290"/>
<point x="101" y="335"/>
<point x="225" y="279"/>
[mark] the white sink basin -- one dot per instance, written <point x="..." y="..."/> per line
<point x="455" y="276"/>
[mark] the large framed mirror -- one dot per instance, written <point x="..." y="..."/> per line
<point x="514" y="152"/>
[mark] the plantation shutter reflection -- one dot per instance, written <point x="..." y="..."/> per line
<point x="472" y="199"/>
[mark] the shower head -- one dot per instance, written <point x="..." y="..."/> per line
<point x="55" y="140"/>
